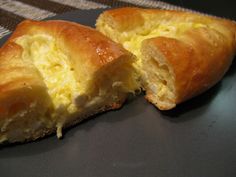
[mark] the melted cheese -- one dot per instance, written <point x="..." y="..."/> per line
<point x="53" y="65"/>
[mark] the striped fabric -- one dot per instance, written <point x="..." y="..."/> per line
<point x="14" y="11"/>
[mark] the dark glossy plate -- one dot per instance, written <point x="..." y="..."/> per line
<point x="196" y="139"/>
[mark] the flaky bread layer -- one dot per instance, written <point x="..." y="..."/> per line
<point x="31" y="126"/>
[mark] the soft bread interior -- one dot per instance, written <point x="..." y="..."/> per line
<point x="157" y="78"/>
<point x="26" y="110"/>
<point x="73" y="100"/>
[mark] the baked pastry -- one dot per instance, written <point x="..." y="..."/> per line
<point x="54" y="74"/>
<point x="180" y="54"/>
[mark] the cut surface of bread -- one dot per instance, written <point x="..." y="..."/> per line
<point x="180" y="54"/>
<point x="54" y="74"/>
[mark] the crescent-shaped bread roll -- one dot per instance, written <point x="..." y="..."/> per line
<point x="54" y="74"/>
<point x="180" y="54"/>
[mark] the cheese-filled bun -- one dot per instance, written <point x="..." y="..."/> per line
<point x="54" y="74"/>
<point x="180" y="54"/>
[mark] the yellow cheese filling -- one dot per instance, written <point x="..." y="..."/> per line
<point x="53" y="65"/>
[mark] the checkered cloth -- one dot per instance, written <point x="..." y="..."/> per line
<point x="14" y="11"/>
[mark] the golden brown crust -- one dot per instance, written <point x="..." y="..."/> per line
<point x="197" y="57"/>
<point x="97" y="49"/>
<point x="124" y="18"/>
<point x="198" y="66"/>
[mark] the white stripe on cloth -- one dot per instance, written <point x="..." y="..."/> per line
<point x="3" y="31"/>
<point x="25" y="10"/>
<point x="81" y="4"/>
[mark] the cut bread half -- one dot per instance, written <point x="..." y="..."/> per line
<point x="180" y="54"/>
<point x="54" y="74"/>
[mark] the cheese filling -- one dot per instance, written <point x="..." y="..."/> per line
<point x="55" y="70"/>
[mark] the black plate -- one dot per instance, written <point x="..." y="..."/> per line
<point x="196" y="139"/>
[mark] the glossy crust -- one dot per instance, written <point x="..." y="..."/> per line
<point x="197" y="58"/>
<point x="204" y="58"/>
<point x="21" y="84"/>
<point x="93" y="49"/>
